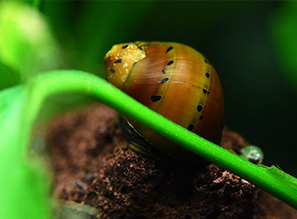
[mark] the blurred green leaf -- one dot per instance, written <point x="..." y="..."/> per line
<point x="23" y="183"/>
<point x="9" y="77"/>
<point x="26" y="43"/>
<point x="284" y="28"/>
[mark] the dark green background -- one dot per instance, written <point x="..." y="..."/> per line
<point x="239" y="38"/>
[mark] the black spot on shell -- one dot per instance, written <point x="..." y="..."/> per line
<point x="112" y="70"/>
<point x="118" y="61"/>
<point x="155" y="98"/>
<point x="201" y="117"/>
<point x="207" y="74"/>
<point x="124" y="47"/>
<point x="170" y="48"/>
<point x="164" y="80"/>
<point x="139" y="47"/>
<point x="163" y="71"/>
<point x="191" y="127"/>
<point x="205" y="61"/>
<point x="208" y="92"/>
<point x="199" y="108"/>
<point x="170" y="62"/>
<point x="204" y="91"/>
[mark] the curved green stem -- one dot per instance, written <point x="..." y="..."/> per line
<point x="75" y="81"/>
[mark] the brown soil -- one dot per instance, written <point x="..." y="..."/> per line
<point x="93" y="166"/>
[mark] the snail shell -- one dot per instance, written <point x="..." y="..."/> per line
<point x="174" y="80"/>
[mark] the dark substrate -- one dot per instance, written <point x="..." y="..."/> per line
<point x="92" y="166"/>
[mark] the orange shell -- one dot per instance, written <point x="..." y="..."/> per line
<point x="174" y="80"/>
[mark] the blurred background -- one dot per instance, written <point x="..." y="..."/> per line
<point x="252" y="45"/>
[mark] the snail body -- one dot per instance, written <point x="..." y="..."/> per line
<point x="174" y="80"/>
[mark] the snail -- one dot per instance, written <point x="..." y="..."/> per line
<point x="174" y="80"/>
<point x="252" y="153"/>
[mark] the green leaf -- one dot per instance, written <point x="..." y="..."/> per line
<point x="26" y="43"/>
<point x="23" y="182"/>
<point x="9" y="77"/>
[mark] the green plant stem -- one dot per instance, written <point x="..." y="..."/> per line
<point x="75" y="81"/>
